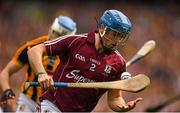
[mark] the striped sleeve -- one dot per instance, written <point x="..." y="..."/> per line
<point x="21" y="56"/>
<point x="60" y="45"/>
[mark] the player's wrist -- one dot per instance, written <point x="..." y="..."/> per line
<point x="40" y="73"/>
<point x="7" y="94"/>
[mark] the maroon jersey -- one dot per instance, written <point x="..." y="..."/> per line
<point x="80" y="62"/>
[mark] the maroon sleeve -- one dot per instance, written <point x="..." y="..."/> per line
<point x="59" y="45"/>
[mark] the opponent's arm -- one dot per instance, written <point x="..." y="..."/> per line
<point x="35" y="55"/>
<point x="118" y="104"/>
<point x="11" y="68"/>
<point x="8" y="96"/>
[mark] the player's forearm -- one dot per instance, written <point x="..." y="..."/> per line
<point x="6" y="73"/>
<point x="35" y="55"/>
<point x="4" y="80"/>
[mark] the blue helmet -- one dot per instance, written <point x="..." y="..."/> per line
<point x="116" y="20"/>
<point x="64" y="24"/>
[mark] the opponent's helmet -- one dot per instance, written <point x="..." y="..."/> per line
<point x="64" y="25"/>
<point x="116" y="21"/>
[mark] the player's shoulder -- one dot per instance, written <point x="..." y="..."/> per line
<point x="24" y="47"/>
<point x="37" y="40"/>
<point x="68" y="40"/>
<point x="120" y="57"/>
<point x="83" y="35"/>
<point x="33" y="42"/>
<point x="117" y="59"/>
<point x="78" y="36"/>
<point x="21" y="53"/>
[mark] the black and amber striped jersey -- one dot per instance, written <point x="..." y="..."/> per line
<point x="50" y="63"/>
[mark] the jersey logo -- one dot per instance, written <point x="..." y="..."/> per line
<point x="80" y="57"/>
<point x="108" y="69"/>
<point x="77" y="77"/>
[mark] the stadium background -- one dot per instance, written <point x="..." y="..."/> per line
<point x="22" y="20"/>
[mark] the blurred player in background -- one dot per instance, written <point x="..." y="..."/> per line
<point x="91" y="57"/>
<point x="27" y="100"/>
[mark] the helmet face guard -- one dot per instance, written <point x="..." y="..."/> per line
<point x="111" y="39"/>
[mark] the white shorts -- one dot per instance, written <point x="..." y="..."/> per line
<point x="48" y="107"/>
<point x="1" y="111"/>
<point x="25" y="104"/>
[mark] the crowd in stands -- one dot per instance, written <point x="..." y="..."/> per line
<point x="22" y="21"/>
